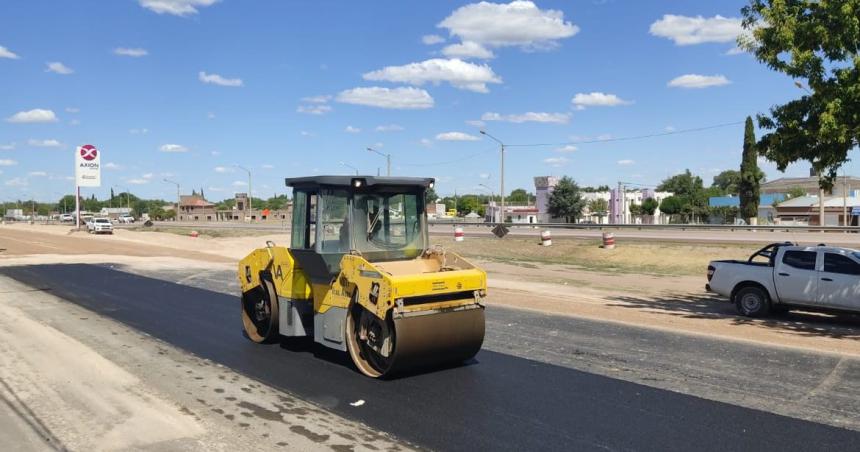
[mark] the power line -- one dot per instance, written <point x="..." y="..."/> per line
<point x="631" y="138"/>
<point x="471" y="156"/>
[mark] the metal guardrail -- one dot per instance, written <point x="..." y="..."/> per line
<point x="656" y="227"/>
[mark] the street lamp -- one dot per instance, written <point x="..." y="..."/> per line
<point x="250" y="193"/>
<point x="492" y="195"/>
<point x="387" y="159"/>
<point x="350" y="166"/>
<point x="501" y="175"/>
<point x="177" y="197"/>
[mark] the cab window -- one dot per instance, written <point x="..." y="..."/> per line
<point x="804" y="260"/>
<point x="837" y="263"/>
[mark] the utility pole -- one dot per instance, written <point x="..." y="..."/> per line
<point x="387" y="159"/>
<point x="501" y="175"/>
<point x="250" y="193"/>
<point x="492" y="197"/>
<point x="176" y="218"/>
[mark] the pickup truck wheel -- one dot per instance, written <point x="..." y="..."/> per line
<point x="752" y="301"/>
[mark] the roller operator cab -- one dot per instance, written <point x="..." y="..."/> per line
<point x="360" y="276"/>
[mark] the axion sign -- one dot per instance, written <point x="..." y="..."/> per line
<point x="89" y="152"/>
<point x="88" y="166"/>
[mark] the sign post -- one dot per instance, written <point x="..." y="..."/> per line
<point x="87" y="174"/>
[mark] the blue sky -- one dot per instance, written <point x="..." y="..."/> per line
<point x="186" y="89"/>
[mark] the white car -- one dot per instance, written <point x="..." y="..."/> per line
<point x="67" y="218"/>
<point x="782" y="276"/>
<point x="99" y="226"/>
<point x="126" y="219"/>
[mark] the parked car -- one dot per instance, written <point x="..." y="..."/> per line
<point x="67" y="218"/>
<point x="100" y="226"/>
<point x="127" y="219"/>
<point x="782" y="276"/>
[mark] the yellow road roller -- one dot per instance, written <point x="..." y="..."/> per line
<point x="360" y="276"/>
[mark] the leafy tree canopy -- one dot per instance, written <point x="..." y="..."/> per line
<point x="816" y="43"/>
<point x="566" y="200"/>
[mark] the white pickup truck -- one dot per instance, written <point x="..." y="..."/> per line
<point x="782" y="276"/>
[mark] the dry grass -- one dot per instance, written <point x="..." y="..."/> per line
<point x="654" y="258"/>
<point x="203" y="232"/>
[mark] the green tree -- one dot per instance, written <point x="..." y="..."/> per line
<point x="518" y="196"/>
<point x="816" y="42"/>
<point x="795" y="192"/>
<point x="672" y="206"/>
<point x="598" y="206"/>
<point x="566" y="200"/>
<point x="430" y="196"/>
<point x="688" y="190"/>
<point x="748" y="188"/>
<point x="649" y="206"/>
<point x="635" y="209"/>
<point x="727" y="182"/>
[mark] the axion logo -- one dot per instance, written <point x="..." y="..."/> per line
<point x="89" y="152"/>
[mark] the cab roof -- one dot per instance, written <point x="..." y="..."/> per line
<point x="367" y="181"/>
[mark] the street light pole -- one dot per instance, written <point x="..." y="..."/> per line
<point x="492" y="196"/>
<point x="350" y="166"/>
<point x="176" y="218"/>
<point x="387" y="159"/>
<point x="250" y="193"/>
<point x="501" y="175"/>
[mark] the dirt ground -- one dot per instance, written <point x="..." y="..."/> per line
<point x="655" y="285"/>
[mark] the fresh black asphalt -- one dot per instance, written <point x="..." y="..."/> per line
<point x="497" y="402"/>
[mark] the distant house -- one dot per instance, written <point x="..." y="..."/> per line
<point x="804" y="211"/>
<point x="194" y="207"/>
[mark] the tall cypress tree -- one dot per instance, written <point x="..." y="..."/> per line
<point x="748" y="187"/>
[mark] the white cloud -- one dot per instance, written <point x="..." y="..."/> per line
<point x="735" y="51"/>
<point x="597" y="99"/>
<point x="138" y="181"/>
<point x="317" y="99"/>
<point x="34" y="115"/>
<point x="318" y="109"/>
<point x="468" y="49"/>
<point x="6" y="53"/>
<point x="556" y="161"/>
<point x="626" y="162"/>
<point x="37" y="174"/>
<point x="58" y="68"/>
<point x="214" y="153"/>
<point x="684" y="30"/>
<point x="16" y="182"/>
<point x="7" y="162"/>
<point x="216" y="79"/>
<point x="267" y="166"/>
<point x="567" y="149"/>
<point x="394" y="98"/>
<point x="519" y="23"/>
<point x="175" y="7"/>
<point x="72" y="110"/>
<point x="669" y="128"/>
<point x="456" y="136"/>
<point x="138" y="131"/>
<point x="555" y="118"/>
<point x="476" y="122"/>
<point x="148" y="176"/>
<point x="426" y="142"/>
<point x="75" y="122"/>
<point x="44" y="143"/>
<point x="389" y="128"/>
<point x="239" y="183"/>
<point x="173" y="148"/>
<point x="216" y="189"/>
<point x="112" y="166"/>
<point x="224" y="169"/>
<point x="459" y="73"/>
<point x="7" y="147"/>
<point x="130" y="52"/>
<point x="698" y="81"/>
<point x="305" y="133"/>
<point x="432" y="39"/>
<point x="484" y="176"/>
<point x="351" y="129"/>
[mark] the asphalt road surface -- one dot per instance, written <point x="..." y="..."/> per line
<point x="498" y="401"/>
